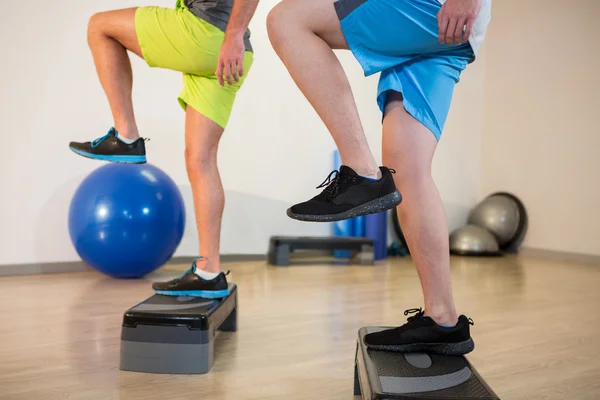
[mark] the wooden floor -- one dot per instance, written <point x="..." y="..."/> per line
<point x="537" y="331"/>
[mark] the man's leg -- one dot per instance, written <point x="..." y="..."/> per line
<point x="387" y="33"/>
<point x="201" y="143"/>
<point x="303" y="33"/>
<point x="408" y="147"/>
<point x="110" y="35"/>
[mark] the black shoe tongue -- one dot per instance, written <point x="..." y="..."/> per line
<point x="112" y="132"/>
<point x="346" y="170"/>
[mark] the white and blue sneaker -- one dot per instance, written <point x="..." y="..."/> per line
<point x="193" y="283"/>
<point x="111" y="147"/>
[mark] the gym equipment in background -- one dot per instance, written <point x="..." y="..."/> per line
<point x="126" y="220"/>
<point x="495" y="226"/>
<point x="280" y="247"/>
<point x="504" y="215"/>
<point x="392" y="375"/>
<point x="353" y="227"/>
<point x="175" y="335"/>
<point x="376" y="229"/>
<point x="473" y="240"/>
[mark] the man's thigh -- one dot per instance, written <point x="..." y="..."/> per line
<point x="178" y="40"/>
<point x="427" y="85"/>
<point x="386" y="33"/>
<point x="205" y="95"/>
<point x="117" y="24"/>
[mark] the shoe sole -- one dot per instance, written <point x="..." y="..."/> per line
<point x="372" y="207"/>
<point x="207" y="294"/>
<point x="115" y="159"/>
<point x="447" y="349"/>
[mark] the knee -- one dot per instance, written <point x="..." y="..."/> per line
<point x="95" y="26"/>
<point x="277" y="24"/>
<point x="198" y="159"/>
<point x="410" y="175"/>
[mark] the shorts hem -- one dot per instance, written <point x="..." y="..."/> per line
<point x="423" y="119"/>
<point x="420" y="116"/>
<point x="184" y="102"/>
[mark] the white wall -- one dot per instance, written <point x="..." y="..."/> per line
<point x="541" y="122"/>
<point x="275" y="150"/>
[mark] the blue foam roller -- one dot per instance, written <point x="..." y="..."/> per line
<point x="376" y="229"/>
<point x="358" y="226"/>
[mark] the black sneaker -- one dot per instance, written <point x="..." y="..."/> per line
<point x="111" y="148"/>
<point x="422" y="334"/>
<point x="190" y="284"/>
<point x="348" y="195"/>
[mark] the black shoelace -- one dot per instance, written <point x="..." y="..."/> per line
<point x="332" y="183"/>
<point x="417" y="311"/>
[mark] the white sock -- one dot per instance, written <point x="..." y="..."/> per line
<point x="206" y="275"/>
<point x="125" y="140"/>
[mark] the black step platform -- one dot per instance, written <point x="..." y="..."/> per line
<point x="386" y="375"/>
<point x="280" y="247"/>
<point x="175" y="334"/>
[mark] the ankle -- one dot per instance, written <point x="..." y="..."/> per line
<point x="367" y="172"/>
<point x="127" y="132"/>
<point x="207" y="265"/>
<point x="444" y="317"/>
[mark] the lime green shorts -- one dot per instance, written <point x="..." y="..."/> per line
<point x="178" y="40"/>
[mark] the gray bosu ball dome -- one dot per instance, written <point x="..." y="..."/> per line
<point x="473" y="240"/>
<point x="504" y="216"/>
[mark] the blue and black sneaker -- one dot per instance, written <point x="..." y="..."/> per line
<point x="192" y="284"/>
<point x="112" y="148"/>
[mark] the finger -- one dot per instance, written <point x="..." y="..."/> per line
<point x="439" y="14"/>
<point x="235" y="69"/>
<point x="228" y="67"/>
<point x="443" y="27"/>
<point x="467" y="33"/>
<point x="450" y="32"/>
<point x="241" y="67"/>
<point x="219" y="73"/>
<point x="458" y="32"/>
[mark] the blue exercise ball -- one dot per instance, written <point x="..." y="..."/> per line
<point x="126" y="220"/>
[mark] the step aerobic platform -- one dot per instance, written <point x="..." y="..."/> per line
<point x="175" y="334"/>
<point x="388" y="375"/>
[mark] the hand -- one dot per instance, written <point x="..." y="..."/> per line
<point x="231" y="60"/>
<point x="453" y="17"/>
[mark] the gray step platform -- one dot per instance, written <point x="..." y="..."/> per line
<point x="175" y="334"/>
<point x="280" y="247"/>
<point x="386" y="375"/>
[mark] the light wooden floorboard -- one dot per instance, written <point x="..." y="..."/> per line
<point x="537" y="330"/>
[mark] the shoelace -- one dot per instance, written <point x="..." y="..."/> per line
<point x="97" y="142"/>
<point x="332" y="182"/>
<point x="193" y="268"/>
<point x="419" y="313"/>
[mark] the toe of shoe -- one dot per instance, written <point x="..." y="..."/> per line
<point x="79" y="146"/>
<point x="300" y="208"/>
<point x="160" y="286"/>
<point x="372" y="339"/>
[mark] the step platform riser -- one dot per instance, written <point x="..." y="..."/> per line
<point x="175" y="334"/>
<point x="385" y="375"/>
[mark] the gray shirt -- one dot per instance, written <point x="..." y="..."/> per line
<point x="217" y="13"/>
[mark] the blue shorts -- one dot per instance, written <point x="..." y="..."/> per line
<point x="399" y="38"/>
